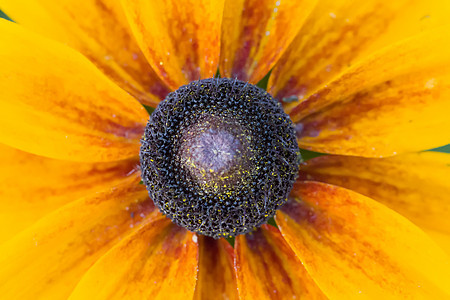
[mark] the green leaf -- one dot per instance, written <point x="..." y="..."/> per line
<point x="149" y="109"/>
<point x="272" y="222"/>
<point x="307" y="154"/>
<point x="4" y="16"/>
<point x="231" y="240"/>
<point x="445" y="149"/>
<point x="263" y="82"/>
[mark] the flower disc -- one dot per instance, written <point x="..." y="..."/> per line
<point x="219" y="157"/>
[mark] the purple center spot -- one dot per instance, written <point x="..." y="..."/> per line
<point x="214" y="150"/>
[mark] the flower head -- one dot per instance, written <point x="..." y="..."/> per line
<point x="366" y="83"/>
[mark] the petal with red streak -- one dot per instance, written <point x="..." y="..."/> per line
<point x="339" y="33"/>
<point x="157" y="262"/>
<point x="414" y="185"/>
<point x="216" y="276"/>
<point x="32" y="186"/>
<point x="55" y="103"/>
<point x="267" y="268"/>
<point x="255" y="34"/>
<point x="396" y="101"/>
<point x="181" y="39"/>
<point x="99" y="30"/>
<point x="369" y="249"/>
<point x="47" y="260"/>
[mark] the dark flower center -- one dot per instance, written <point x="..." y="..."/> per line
<point x="219" y="157"/>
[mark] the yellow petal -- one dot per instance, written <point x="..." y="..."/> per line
<point x="99" y="30"/>
<point x="157" y="262"/>
<point x="354" y="246"/>
<point x="442" y="239"/>
<point x="55" y="103"/>
<point x="32" y="186"/>
<point x="47" y="260"/>
<point x="393" y="102"/>
<point x="417" y="185"/>
<point x="267" y="268"/>
<point x="339" y="33"/>
<point x="181" y="39"/>
<point x="216" y="276"/>
<point x="256" y="33"/>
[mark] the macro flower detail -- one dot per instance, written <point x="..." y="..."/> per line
<point x="365" y="85"/>
<point x="219" y="157"/>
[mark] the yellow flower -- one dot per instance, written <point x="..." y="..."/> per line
<point x="366" y="81"/>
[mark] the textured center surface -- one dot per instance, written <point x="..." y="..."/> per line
<point x="211" y="150"/>
<point x="219" y="157"/>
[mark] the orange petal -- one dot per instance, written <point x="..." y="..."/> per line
<point x="339" y="33"/>
<point x="354" y="246"/>
<point x="47" y="260"/>
<point x="216" y="277"/>
<point x="33" y="186"/>
<point x="181" y="39"/>
<point x="415" y="185"/>
<point x="99" y="30"/>
<point x="157" y="262"/>
<point x="395" y="101"/>
<point x="256" y="33"/>
<point x="267" y="268"/>
<point x="55" y="103"/>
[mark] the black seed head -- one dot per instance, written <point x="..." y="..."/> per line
<point x="219" y="157"/>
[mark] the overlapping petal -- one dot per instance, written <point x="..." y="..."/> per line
<point x="395" y="101"/>
<point x="339" y="33"/>
<point x="442" y="239"/>
<point x="47" y="260"/>
<point x="55" y="103"/>
<point x="353" y="246"/>
<point x="159" y="261"/>
<point x="216" y="277"/>
<point x="415" y="185"/>
<point x="99" y="30"/>
<point x="32" y="186"/>
<point x="267" y="268"/>
<point x="181" y="39"/>
<point x="256" y="33"/>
